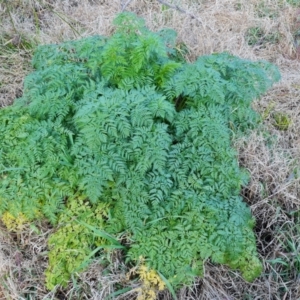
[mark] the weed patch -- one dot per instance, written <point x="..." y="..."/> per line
<point x="256" y="36"/>
<point x="120" y="139"/>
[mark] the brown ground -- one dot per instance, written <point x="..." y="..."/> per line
<point x="252" y="29"/>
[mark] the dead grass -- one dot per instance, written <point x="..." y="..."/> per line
<point x="272" y="156"/>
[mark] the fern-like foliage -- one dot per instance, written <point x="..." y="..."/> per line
<point x="71" y="244"/>
<point x="124" y="123"/>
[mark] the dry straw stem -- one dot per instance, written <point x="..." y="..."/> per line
<point x="271" y="155"/>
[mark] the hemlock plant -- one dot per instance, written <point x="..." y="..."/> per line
<point x="120" y="137"/>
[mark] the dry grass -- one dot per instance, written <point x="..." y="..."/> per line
<point x="254" y="29"/>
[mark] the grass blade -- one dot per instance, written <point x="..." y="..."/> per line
<point x="169" y="286"/>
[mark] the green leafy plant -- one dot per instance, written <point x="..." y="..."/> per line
<point x="120" y="136"/>
<point x="281" y="120"/>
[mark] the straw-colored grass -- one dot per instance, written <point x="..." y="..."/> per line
<point x="253" y="29"/>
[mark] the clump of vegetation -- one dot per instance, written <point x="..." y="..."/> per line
<point x="281" y="120"/>
<point x="294" y="2"/>
<point x="256" y="36"/>
<point x="151" y="283"/>
<point x="119" y="137"/>
<point x="14" y="223"/>
<point x="264" y="10"/>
